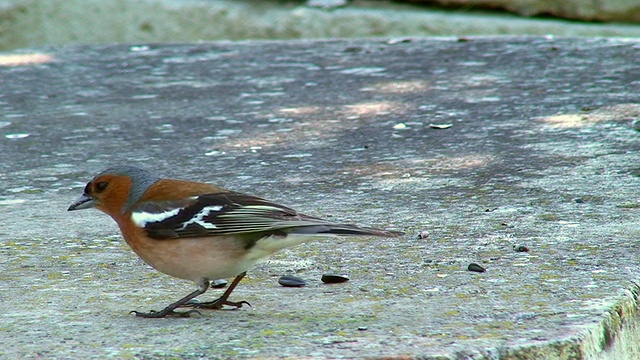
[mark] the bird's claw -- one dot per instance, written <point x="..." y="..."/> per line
<point x="215" y="304"/>
<point x="165" y="313"/>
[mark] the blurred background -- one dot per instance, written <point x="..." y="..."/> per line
<point x="29" y="23"/>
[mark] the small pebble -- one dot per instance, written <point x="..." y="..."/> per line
<point x="398" y="40"/>
<point x="423" y="234"/>
<point x="440" y="126"/>
<point x="291" y="281"/>
<point x="362" y="328"/>
<point x="193" y="302"/>
<point x="326" y="4"/>
<point x="520" y="248"/>
<point x="219" y="284"/>
<point x="16" y="136"/>
<point x="334" y="278"/>
<point x="476" y="268"/>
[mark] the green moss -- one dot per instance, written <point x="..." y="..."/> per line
<point x="452" y="313"/>
<point x="549" y="276"/>
<point x="55" y="276"/>
<point x="269" y="332"/>
<point x="14" y="245"/>
<point x="628" y="206"/>
<point x="126" y="355"/>
<point x="549" y="217"/>
<point x="32" y="191"/>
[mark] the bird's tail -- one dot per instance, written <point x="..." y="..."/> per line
<point x="345" y="229"/>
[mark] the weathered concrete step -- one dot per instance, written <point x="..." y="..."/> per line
<point x="541" y="152"/>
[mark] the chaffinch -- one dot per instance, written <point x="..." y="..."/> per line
<point x="201" y="232"/>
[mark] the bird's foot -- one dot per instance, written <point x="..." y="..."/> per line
<point x="165" y="313"/>
<point x="215" y="304"/>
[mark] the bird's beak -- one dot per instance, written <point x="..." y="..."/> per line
<point x="83" y="202"/>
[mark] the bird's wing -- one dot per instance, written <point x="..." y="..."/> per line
<point x="233" y="213"/>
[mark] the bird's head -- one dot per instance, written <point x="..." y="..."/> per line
<point x="115" y="189"/>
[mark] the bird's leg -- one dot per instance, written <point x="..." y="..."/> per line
<point x="218" y="303"/>
<point x="203" y="285"/>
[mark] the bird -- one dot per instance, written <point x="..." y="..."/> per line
<point x="201" y="232"/>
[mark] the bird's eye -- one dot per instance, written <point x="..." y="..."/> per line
<point x="101" y="186"/>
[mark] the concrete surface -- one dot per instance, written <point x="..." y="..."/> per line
<point x="27" y="23"/>
<point x="542" y="152"/>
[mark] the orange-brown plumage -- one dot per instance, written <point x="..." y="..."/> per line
<point x="201" y="232"/>
<point x="170" y="189"/>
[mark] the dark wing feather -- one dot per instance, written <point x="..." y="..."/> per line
<point x="237" y="213"/>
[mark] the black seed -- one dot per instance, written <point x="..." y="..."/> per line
<point x="520" y="248"/>
<point x="353" y="49"/>
<point x="219" y="284"/>
<point x="192" y="302"/>
<point x="476" y="268"/>
<point x="334" y="278"/>
<point x="291" y="281"/>
<point x="578" y="200"/>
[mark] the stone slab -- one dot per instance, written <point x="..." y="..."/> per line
<point x="542" y="151"/>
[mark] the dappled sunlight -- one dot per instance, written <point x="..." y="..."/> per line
<point x="464" y="162"/>
<point x="408" y="168"/>
<point x="311" y="125"/>
<point x="380" y="169"/>
<point x="565" y="121"/>
<point x="373" y="108"/>
<point x="295" y="133"/>
<point x="398" y="87"/>
<point x="302" y="110"/>
<point x="418" y="173"/>
<point x="624" y="112"/>
<point x="25" y="59"/>
<point x="307" y="124"/>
